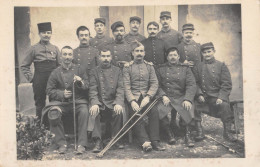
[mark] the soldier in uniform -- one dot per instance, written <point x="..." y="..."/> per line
<point x="141" y="85"/>
<point x="169" y="35"/>
<point x="178" y="88"/>
<point x="120" y="49"/>
<point x="133" y="35"/>
<point x="45" y="57"/>
<point x="190" y="55"/>
<point x="155" y="48"/>
<point x="85" y="55"/>
<point x="215" y="87"/>
<point x="106" y="94"/>
<point x="100" y="40"/>
<point x="59" y="89"/>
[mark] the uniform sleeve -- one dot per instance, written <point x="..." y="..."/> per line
<point x="190" y="86"/>
<point x="225" y="83"/>
<point x="127" y="84"/>
<point x="180" y="37"/>
<point x="160" y="91"/>
<point x="153" y="82"/>
<point x="58" y="58"/>
<point x="120" y="95"/>
<point x="85" y="80"/>
<point x="52" y="88"/>
<point x="93" y="89"/>
<point x="25" y="67"/>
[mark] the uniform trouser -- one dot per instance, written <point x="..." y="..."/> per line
<point x="82" y="113"/>
<point x="39" y="87"/>
<point x="107" y="115"/>
<point x="166" y="122"/>
<point x="153" y="126"/>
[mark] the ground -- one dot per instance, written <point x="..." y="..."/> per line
<point x="204" y="149"/>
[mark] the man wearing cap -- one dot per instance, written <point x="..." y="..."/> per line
<point x="85" y="55"/>
<point x="169" y="35"/>
<point x="133" y="35"/>
<point x="45" y="57"/>
<point x="60" y="92"/>
<point x="141" y="85"/>
<point x="100" y="40"/>
<point x="120" y="49"/>
<point x="215" y="87"/>
<point x="154" y="47"/>
<point x="190" y="55"/>
<point x="177" y="88"/>
<point x="106" y="94"/>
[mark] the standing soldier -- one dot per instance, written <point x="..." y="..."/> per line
<point x="141" y="85"/>
<point x="190" y="55"/>
<point x="155" y="48"/>
<point x="100" y="40"/>
<point x="133" y="35"/>
<point x="120" y="49"/>
<point x="178" y="88"/>
<point x="169" y="35"/>
<point x="85" y="55"/>
<point x="45" y="57"/>
<point x="215" y="87"/>
<point x="106" y="94"/>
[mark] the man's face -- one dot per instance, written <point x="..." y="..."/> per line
<point x="105" y="57"/>
<point x="134" y="25"/>
<point x="138" y="53"/>
<point x="165" y="21"/>
<point x="208" y="53"/>
<point x="173" y="57"/>
<point x="67" y="55"/>
<point x="99" y="28"/>
<point x="45" y="36"/>
<point x="188" y="35"/>
<point x="152" y="30"/>
<point x="119" y="33"/>
<point x="84" y="37"/>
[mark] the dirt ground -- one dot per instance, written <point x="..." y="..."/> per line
<point x="204" y="149"/>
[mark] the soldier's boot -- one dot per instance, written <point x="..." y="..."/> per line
<point x="200" y="134"/>
<point x="98" y="146"/>
<point x="226" y="134"/>
<point x="170" y="134"/>
<point x="188" y="141"/>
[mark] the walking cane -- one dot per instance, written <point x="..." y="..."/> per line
<point x="74" y="113"/>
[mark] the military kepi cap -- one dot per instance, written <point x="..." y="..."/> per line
<point x="188" y="26"/>
<point x="42" y="27"/>
<point x="206" y="46"/>
<point x="165" y="14"/>
<point x="101" y="20"/>
<point x="135" y="18"/>
<point x="117" y="24"/>
<point x="54" y="115"/>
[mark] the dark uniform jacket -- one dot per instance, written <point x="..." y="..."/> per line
<point x="215" y="80"/>
<point x="154" y="50"/>
<point x="139" y="80"/>
<point x="132" y="37"/>
<point x="44" y="56"/>
<point x="100" y="42"/>
<point x="178" y="84"/>
<point x="171" y="37"/>
<point x="86" y="57"/>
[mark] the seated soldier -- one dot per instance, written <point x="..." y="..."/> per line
<point x="106" y="94"/>
<point x="141" y="85"/>
<point x="178" y="88"/>
<point x="215" y="87"/>
<point x="59" y="89"/>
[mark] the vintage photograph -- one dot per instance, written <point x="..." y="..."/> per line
<point x="129" y="82"/>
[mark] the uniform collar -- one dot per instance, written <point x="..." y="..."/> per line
<point x="171" y="65"/>
<point x="69" y="67"/>
<point x="119" y="42"/>
<point x="188" y="43"/>
<point x="138" y="62"/>
<point x="83" y="46"/>
<point x="133" y="34"/>
<point x="44" y="43"/>
<point x="105" y="67"/>
<point x="166" y="31"/>
<point x="153" y="37"/>
<point x="210" y="61"/>
<point x="100" y="36"/>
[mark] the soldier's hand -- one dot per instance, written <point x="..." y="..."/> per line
<point x="94" y="110"/>
<point x="201" y="99"/>
<point x="135" y="106"/>
<point x="219" y="101"/>
<point x="166" y="100"/>
<point x="67" y="94"/>
<point x="145" y="101"/>
<point x="186" y="105"/>
<point x="77" y="78"/>
<point x="118" y="109"/>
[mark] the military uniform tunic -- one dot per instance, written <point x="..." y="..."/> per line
<point x="132" y="37"/>
<point x="99" y="42"/>
<point x="171" y="37"/>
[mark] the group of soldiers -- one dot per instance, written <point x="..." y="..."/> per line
<point x="109" y="79"/>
